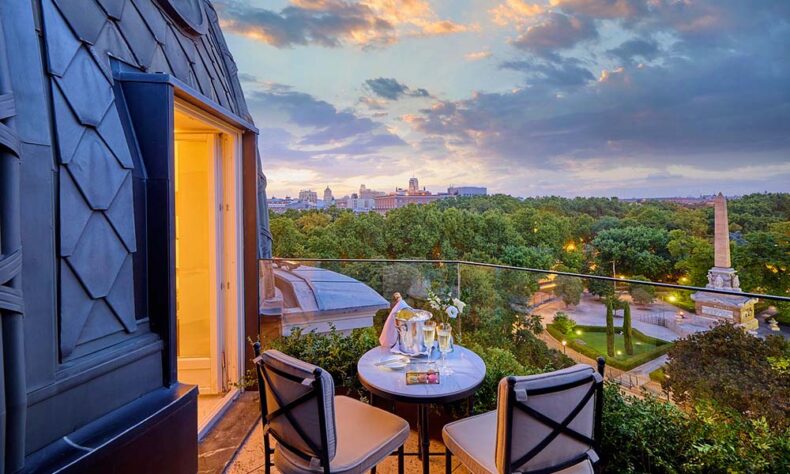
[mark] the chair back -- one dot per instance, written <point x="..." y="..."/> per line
<point x="297" y="404"/>
<point x="547" y="422"/>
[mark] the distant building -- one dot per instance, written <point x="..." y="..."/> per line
<point x="356" y="203"/>
<point x="328" y="198"/>
<point x="308" y="195"/>
<point x="467" y="191"/>
<point x="414" y="186"/>
<point x="280" y="205"/>
<point x="366" y="193"/>
<point x="403" y="197"/>
<point x="398" y="200"/>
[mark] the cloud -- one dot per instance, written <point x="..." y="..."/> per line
<point x="721" y="102"/>
<point x="515" y="11"/>
<point x="604" y="8"/>
<point x="477" y="55"/>
<point x="391" y="89"/>
<point x="555" y="31"/>
<point x="333" y="23"/>
<point x="559" y="73"/>
<point x="633" y="48"/>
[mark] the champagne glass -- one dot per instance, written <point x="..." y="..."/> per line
<point x="429" y="334"/>
<point x="444" y="332"/>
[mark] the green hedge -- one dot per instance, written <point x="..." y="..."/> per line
<point x="662" y="347"/>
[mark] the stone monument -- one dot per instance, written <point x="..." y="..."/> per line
<point x="731" y="308"/>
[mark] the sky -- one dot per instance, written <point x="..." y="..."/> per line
<point x="629" y="98"/>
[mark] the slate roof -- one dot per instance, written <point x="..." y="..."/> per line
<point x="97" y="236"/>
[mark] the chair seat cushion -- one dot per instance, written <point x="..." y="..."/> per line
<point x="473" y="441"/>
<point x="365" y="436"/>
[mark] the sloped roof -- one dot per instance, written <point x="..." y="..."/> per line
<point x="316" y="290"/>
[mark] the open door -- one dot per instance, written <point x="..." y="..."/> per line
<point x="198" y="242"/>
<point x="208" y="251"/>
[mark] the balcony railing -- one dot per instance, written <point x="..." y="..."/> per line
<point x="502" y="300"/>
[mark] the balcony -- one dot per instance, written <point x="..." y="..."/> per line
<point x="524" y="321"/>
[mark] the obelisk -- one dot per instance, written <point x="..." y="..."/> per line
<point x="733" y="308"/>
<point x="721" y="231"/>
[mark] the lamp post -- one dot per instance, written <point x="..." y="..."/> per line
<point x="565" y="347"/>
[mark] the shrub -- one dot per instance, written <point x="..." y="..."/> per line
<point x="333" y="351"/>
<point x="649" y="435"/>
<point x="734" y="369"/>
<point x="500" y="363"/>
<point x="563" y="322"/>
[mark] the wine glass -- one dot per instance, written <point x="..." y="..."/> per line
<point x="444" y="332"/>
<point x="429" y="336"/>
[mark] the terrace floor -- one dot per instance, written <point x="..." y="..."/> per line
<point x="250" y="458"/>
<point x="239" y="432"/>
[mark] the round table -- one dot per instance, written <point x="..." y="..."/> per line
<point x="468" y="373"/>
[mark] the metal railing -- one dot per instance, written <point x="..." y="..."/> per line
<point x="616" y="280"/>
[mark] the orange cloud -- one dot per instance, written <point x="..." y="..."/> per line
<point x="477" y="55"/>
<point x="515" y="12"/>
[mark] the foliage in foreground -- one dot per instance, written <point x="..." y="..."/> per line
<point x="649" y="435"/>
<point x="735" y="369"/>
<point x="638" y="435"/>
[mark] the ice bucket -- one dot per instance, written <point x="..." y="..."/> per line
<point x="410" y="337"/>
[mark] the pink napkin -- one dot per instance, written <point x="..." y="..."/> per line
<point x="389" y="335"/>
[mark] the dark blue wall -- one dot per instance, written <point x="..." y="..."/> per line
<point x="97" y="330"/>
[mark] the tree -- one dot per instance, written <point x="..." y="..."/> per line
<point x="627" y="332"/>
<point x="609" y="328"/>
<point x="638" y="250"/>
<point x="734" y="369"/>
<point x="563" y="322"/>
<point x="600" y="288"/>
<point x="569" y="289"/>
<point x="642" y="294"/>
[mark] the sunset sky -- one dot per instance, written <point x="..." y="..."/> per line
<point x="565" y="97"/>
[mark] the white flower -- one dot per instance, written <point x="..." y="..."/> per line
<point x="452" y="311"/>
<point x="459" y="304"/>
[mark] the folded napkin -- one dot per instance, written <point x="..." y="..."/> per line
<point x="389" y="335"/>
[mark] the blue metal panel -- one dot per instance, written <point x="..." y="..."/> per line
<point x="96" y="171"/>
<point x="86" y="88"/>
<point x="74" y="214"/>
<point x="85" y="18"/>
<point x="69" y="131"/>
<point x="120" y="212"/>
<point x="98" y="257"/>
<point x="61" y="43"/>
<point x="114" y="8"/>
<point x="113" y="135"/>
<point x="142" y="42"/>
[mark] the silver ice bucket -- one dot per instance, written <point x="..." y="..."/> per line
<point x="411" y="340"/>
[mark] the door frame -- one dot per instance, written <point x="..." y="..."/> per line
<point x="215" y="241"/>
<point x="231" y="294"/>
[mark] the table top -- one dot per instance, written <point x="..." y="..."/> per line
<point x="469" y="371"/>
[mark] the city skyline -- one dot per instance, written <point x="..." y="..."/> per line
<point x="622" y="98"/>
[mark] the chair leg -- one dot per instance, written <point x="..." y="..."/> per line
<point x="267" y="461"/>
<point x="400" y="460"/>
<point x="448" y="460"/>
<point x="373" y="470"/>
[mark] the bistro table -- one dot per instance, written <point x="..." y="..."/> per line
<point x="468" y="372"/>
